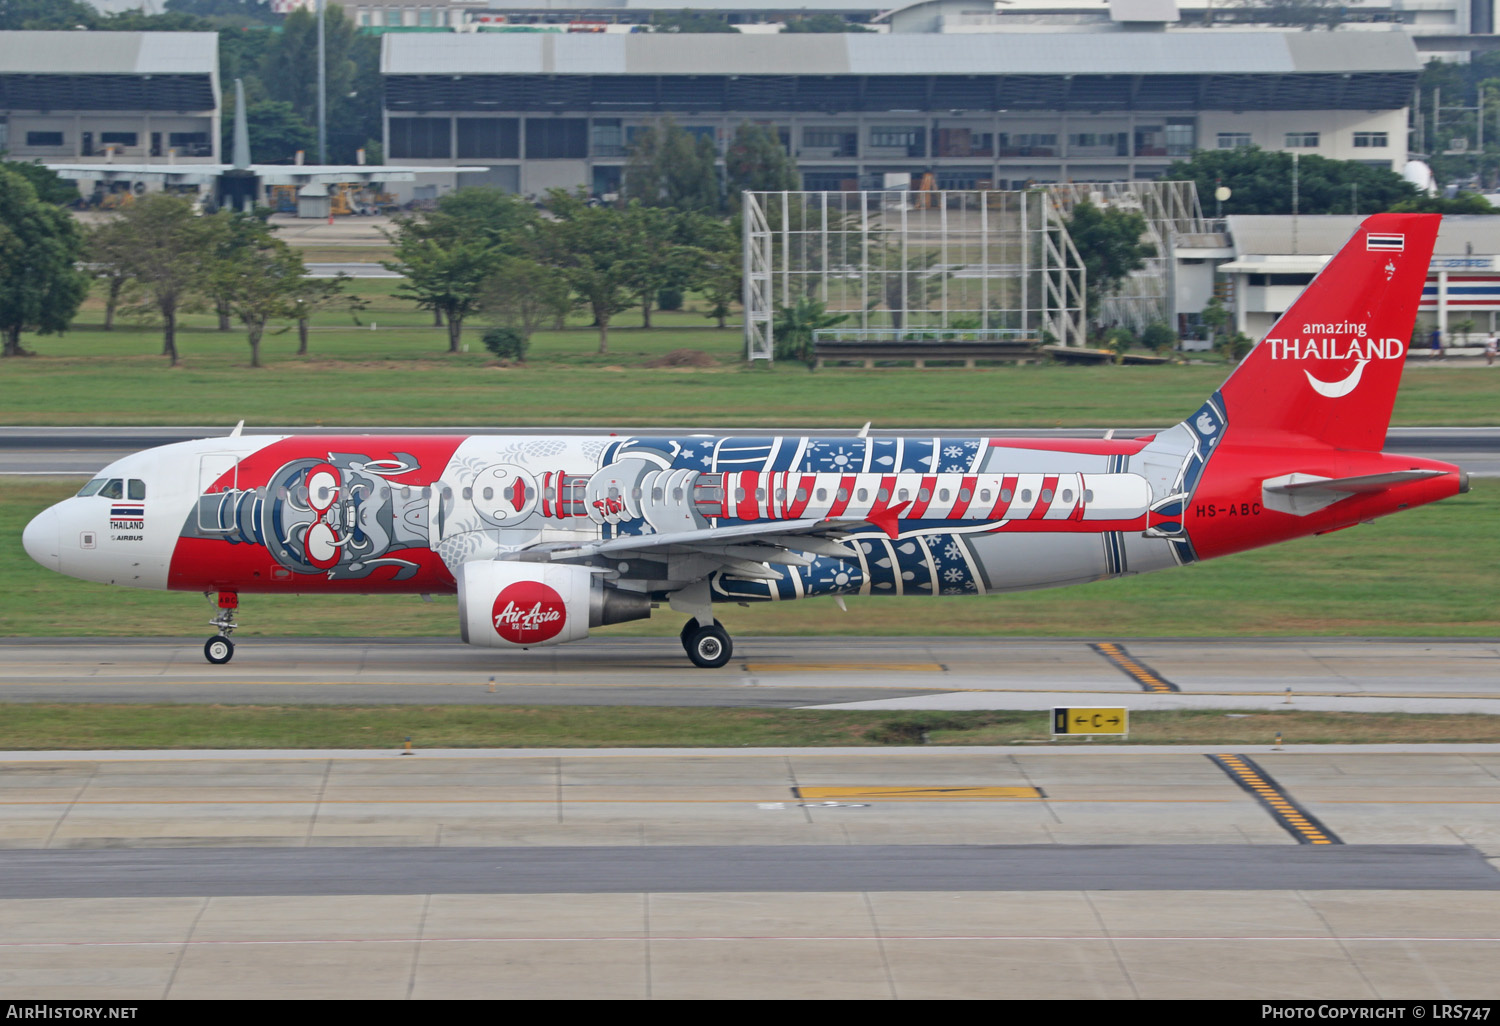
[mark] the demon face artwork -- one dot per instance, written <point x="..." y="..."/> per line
<point x="338" y="517"/>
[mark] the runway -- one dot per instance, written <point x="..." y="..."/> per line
<point x="957" y="873"/>
<point x="1353" y="675"/>
<point x="84" y="450"/>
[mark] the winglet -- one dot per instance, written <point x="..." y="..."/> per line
<point x="237" y="429"/>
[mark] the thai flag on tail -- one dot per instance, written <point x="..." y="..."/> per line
<point x="1392" y="241"/>
<point x="127" y="511"/>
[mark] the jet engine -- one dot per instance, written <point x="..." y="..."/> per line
<point x="503" y="604"/>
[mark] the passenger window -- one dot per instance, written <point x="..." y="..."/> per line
<point x="822" y="494"/>
<point x="923" y="495"/>
<point x="903" y="495"/>
<point x="1006" y="494"/>
<point x="964" y="495"/>
<point x="676" y="494"/>
<point x="656" y="495"/>
<point x="115" y="489"/>
<point x="1088" y="495"/>
<point x="1025" y="494"/>
<point x="883" y="495"/>
<point x="92" y="488"/>
<point x="843" y="495"/>
<point x="801" y="494"/>
<point x="984" y="495"/>
<point x="489" y="493"/>
<point x="468" y="494"/>
<point x="137" y="489"/>
<point x="942" y="495"/>
<point x="1067" y="495"/>
<point x="863" y="494"/>
<point x="739" y="495"/>
<point x="1046" y="494"/>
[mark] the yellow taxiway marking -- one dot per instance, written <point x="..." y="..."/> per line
<point x="1147" y="678"/>
<point x="923" y="794"/>
<point x="1299" y="824"/>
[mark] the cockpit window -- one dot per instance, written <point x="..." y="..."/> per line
<point x="92" y="488"/>
<point x="115" y="489"/>
<point x="137" y="488"/>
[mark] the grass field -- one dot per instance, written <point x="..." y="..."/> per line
<point x="1429" y="572"/>
<point x="393" y="369"/>
<point x="32" y="727"/>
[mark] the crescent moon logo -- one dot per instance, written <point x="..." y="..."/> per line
<point x="1338" y="389"/>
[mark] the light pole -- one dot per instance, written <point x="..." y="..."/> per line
<point x="322" y="85"/>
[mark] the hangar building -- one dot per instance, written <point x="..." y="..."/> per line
<point x="861" y="111"/>
<point x="139" y="97"/>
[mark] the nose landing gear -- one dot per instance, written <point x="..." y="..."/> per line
<point x="219" y="650"/>
<point x="708" y="647"/>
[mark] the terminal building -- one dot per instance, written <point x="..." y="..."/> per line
<point x="1274" y="258"/>
<point x="861" y="111"/>
<point x="136" y="97"/>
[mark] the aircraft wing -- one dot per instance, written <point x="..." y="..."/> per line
<point x="329" y="174"/>
<point x="269" y="174"/>
<point x="170" y="174"/>
<point x="747" y="550"/>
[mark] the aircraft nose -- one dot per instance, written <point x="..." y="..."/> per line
<point x="40" y="539"/>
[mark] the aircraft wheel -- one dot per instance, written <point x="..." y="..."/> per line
<point x="687" y="633"/>
<point x="709" y="647"/>
<point x="218" y="650"/>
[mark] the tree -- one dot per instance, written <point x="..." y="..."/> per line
<point x="1260" y="182"/>
<point x="1295" y="13"/>
<point x="50" y="187"/>
<point x="448" y="254"/>
<point x="690" y="21"/>
<point x="822" y="23"/>
<point x="794" y="326"/>
<point x="41" y="286"/>
<point x="658" y="256"/>
<point x="720" y="270"/>
<point x="276" y="131"/>
<point x="46" y="14"/>
<point x="289" y="71"/>
<point x="523" y="294"/>
<point x="593" y="247"/>
<point x="1463" y="203"/>
<point x="756" y="161"/>
<point x="166" y="264"/>
<point x="671" y="167"/>
<point x="1109" y="243"/>
<point x="259" y="276"/>
<point x="108" y="248"/>
<point x="313" y="294"/>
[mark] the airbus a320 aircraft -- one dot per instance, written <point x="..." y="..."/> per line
<point x="543" y="538"/>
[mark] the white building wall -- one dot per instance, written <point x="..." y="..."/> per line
<point x="1336" y="132"/>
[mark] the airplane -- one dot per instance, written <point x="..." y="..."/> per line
<point x="239" y="183"/>
<point x="544" y="538"/>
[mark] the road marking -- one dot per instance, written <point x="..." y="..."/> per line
<point x="922" y="794"/>
<point x="1147" y="678"/>
<point x="1296" y="820"/>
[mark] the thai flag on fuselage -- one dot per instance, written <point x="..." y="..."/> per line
<point x="1391" y="241"/>
<point x="127" y="511"/>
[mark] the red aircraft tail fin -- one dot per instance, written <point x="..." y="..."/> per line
<point x="1330" y="367"/>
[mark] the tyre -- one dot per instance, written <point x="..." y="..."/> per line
<point x="709" y="647"/>
<point x="218" y="650"/>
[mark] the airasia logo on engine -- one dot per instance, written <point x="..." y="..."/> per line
<point x="528" y="612"/>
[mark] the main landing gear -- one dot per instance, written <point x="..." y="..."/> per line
<point x="219" y="650"/>
<point x="708" y="647"/>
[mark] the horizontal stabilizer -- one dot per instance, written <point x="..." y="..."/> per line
<point x="1301" y="494"/>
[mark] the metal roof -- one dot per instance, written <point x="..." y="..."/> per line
<point x="1261" y="240"/>
<point x="1143" y="10"/>
<point x="1028" y="53"/>
<point x="836" y="73"/>
<point x="109" y="53"/>
<point x="60" y="71"/>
